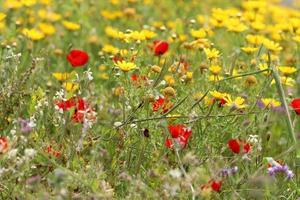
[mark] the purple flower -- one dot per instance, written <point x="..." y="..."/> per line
<point x="279" y="168"/>
<point x="26" y="125"/>
<point x="289" y="174"/>
<point x="228" y="171"/>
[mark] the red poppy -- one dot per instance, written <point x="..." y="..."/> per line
<point x="235" y="146"/>
<point x="216" y="186"/>
<point x="160" y="47"/>
<point x="161" y="103"/>
<point x="52" y="152"/>
<point x="66" y="105"/>
<point x="180" y="135"/>
<point x="213" y="185"/>
<point x="77" y="58"/>
<point x="295" y="104"/>
<point x="82" y="110"/>
<point x="3" y="144"/>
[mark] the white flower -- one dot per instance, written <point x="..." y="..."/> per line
<point x="89" y="74"/>
<point x="175" y="173"/>
<point x="12" y="153"/>
<point x="117" y="124"/>
<point x="29" y="153"/>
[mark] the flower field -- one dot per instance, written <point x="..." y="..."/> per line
<point x="149" y="99"/>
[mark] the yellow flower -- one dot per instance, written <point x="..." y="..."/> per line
<point x="2" y="16"/>
<point x="215" y="78"/>
<point x="201" y="19"/>
<point x="135" y="35"/>
<point x="110" y="49"/>
<point x="169" y="79"/>
<point x="249" y="50"/>
<point x="237" y="103"/>
<point x="235" y="25"/>
<point x="148" y="34"/>
<point x="71" y="25"/>
<point x="114" y="33"/>
<point x="28" y="3"/>
<point x="272" y="46"/>
<point x="212" y="53"/>
<point x="47" y="29"/>
<point x="33" y="34"/>
<point x="189" y="76"/>
<point x="263" y="66"/>
<point x="44" y="14"/>
<point x="270" y="103"/>
<point x="126" y="66"/>
<point x="286" y="81"/>
<point x="103" y="76"/>
<point x="12" y="4"/>
<point x="218" y="95"/>
<point x="198" y="44"/>
<point x="215" y="69"/>
<point x="62" y="76"/>
<point x="69" y="86"/>
<point x="198" y="33"/>
<point x="258" y="25"/>
<point x="45" y="2"/>
<point x="255" y="39"/>
<point x="297" y="38"/>
<point x="111" y="15"/>
<point x="102" y="68"/>
<point x="286" y="70"/>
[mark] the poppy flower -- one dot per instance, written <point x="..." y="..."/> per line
<point x="180" y="135"/>
<point x="216" y="186"/>
<point x="213" y="185"/>
<point x="295" y="104"/>
<point x="236" y="145"/>
<point x="3" y="145"/>
<point x="138" y="80"/>
<point x="66" y="105"/>
<point x="160" y="47"/>
<point x="77" y="58"/>
<point x="53" y="152"/>
<point x="161" y="103"/>
<point x="82" y="110"/>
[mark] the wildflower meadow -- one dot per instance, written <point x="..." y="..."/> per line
<point x="150" y="99"/>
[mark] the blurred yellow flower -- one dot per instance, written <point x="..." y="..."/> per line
<point x="286" y="70"/>
<point x="2" y="16"/>
<point x="255" y="39"/>
<point x="148" y="34"/>
<point x="198" y="33"/>
<point x="48" y="15"/>
<point x="33" y="34"/>
<point x="249" y="50"/>
<point x="286" y="81"/>
<point x="71" y="25"/>
<point x="47" y="29"/>
<point x="69" y="86"/>
<point x="110" y="49"/>
<point x="62" y="76"/>
<point x="111" y="15"/>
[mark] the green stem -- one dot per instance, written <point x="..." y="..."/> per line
<point x="284" y="103"/>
